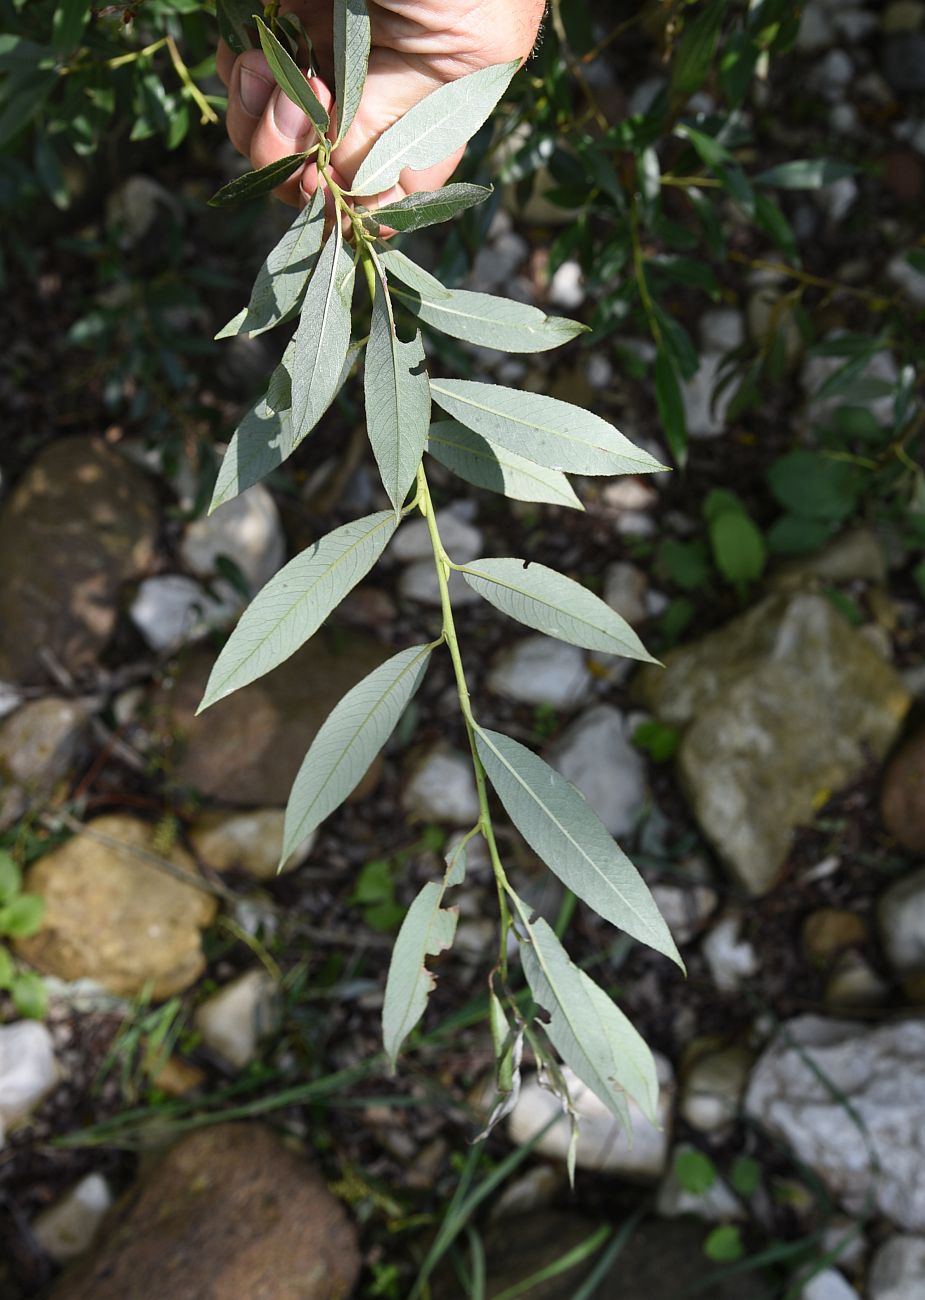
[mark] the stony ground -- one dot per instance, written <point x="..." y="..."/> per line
<point x="189" y="986"/>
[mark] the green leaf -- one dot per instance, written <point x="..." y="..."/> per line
<point x="234" y="20"/>
<point x="427" y="208"/>
<point x="254" y="184"/>
<point x="322" y="339"/>
<point x="349" y="740"/>
<point x="670" y="405"/>
<point x="397" y="399"/>
<point x="30" y="997"/>
<point x="746" y="1175"/>
<point x="792" y="535"/>
<point x="427" y="930"/>
<point x="695" y="1171"/>
<point x="10" y="877"/>
<point x="804" y="174"/>
<point x="480" y="318"/>
<point x="7" y="970"/>
<point x="658" y="740"/>
<point x="562" y="829"/>
<point x="737" y="543"/>
<point x="351" y="56"/>
<point x="433" y="129"/>
<point x="724" y="1244"/>
<point x="814" y="486"/>
<point x="587" y="1029"/>
<point x="548" y="601"/>
<point x="22" y="916"/>
<point x="255" y="450"/>
<point x="294" y="603"/>
<point x="916" y="260"/>
<point x="694" y="55"/>
<point x="469" y="455"/>
<point x="291" y="79"/>
<point x="26" y="98"/>
<point x="67" y="27"/>
<point x="282" y="279"/>
<point x="551" y="432"/>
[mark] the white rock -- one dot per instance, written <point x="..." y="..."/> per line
<point x="837" y="199"/>
<point x="625" y="588"/>
<point x="768" y="315"/>
<point x="907" y="278"/>
<point x="595" y="754"/>
<point x="897" y="1271"/>
<point x="901" y="917"/>
<point x="686" y="908"/>
<point x="721" y="329"/>
<point x="68" y="1228"/>
<point x="171" y="610"/>
<point x="644" y="95"/>
<point x="871" y="1156"/>
<point x="541" y="670"/>
<point x="418" y="582"/>
<point x="718" y="1204"/>
<point x="133" y="209"/>
<point x="844" y="119"/>
<point x="817" y="369"/>
<point x="732" y="960"/>
<point x="246" y="530"/>
<point x="833" y="74"/>
<point x="233" y="1020"/>
<point x="713" y="1089"/>
<point x="10" y="699"/>
<point x="599" y="371"/>
<point x="567" y="286"/>
<point x="704" y="418"/>
<point x="442" y="788"/>
<point x="603" y="1144"/>
<point x="28" y="1070"/>
<point x="462" y="541"/>
<point x="628" y="493"/>
<point x="249" y="841"/>
<point x="829" y="1285"/>
<point x="498" y="262"/>
<point x="815" y="30"/>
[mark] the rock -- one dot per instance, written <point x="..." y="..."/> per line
<point x="249" y="841"/>
<point x="854" y="985"/>
<point x="713" y="1089"/>
<point x="717" y="1204"/>
<point x="829" y="1285"/>
<point x="567" y="286"/>
<point x="229" y="1211"/>
<point x="138" y="209"/>
<point x="903" y="62"/>
<point x="595" y="754"/>
<point x="112" y="917"/>
<point x="248" y="748"/>
<point x="462" y="540"/>
<point x="69" y="1227"/>
<point x="817" y="369"/>
<point x="10" y="699"/>
<point x="246" y="530"/>
<point x="418" y="582"/>
<point x="171" y="610"/>
<point x="897" y="1270"/>
<point x="28" y="1071"/>
<point x="838" y="198"/>
<point x="686" y="908"/>
<point x="625" y="590"/>
<point x="706" y="418"/>
<point x="780" y="708"/>
<point x="816" y="32"/>
<point x="901" y="917"/>
<point x="722" y="329"/>
<point x="80" y="523"/>
<point x="833" y="74"/>
<point x="541" y="670"/>
<point x="442" y="788"/>
<point x="530" y="1192"/>
<point x="828" y="931"/>
<point x="770" y="314"/>
<point x="603" y="1144"/>
<point x="874" y="1149"/>
<point x="907" y="278"/>
<point x="854" y="555"/>
<point x="39" y="745"/>
<point x="233" y="1020"/>
<point x="903" y="16"/>
<point x="732" y="960"/>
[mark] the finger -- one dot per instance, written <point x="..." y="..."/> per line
<point x="224" y="63"/>
<point x="249" y="91"/>
<point x="284" y="129"/>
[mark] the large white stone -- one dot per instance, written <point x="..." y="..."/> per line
<point x="246" y="530"/>
<point x="713" y="1089"/>
<point x="817" y="369"/>
<point x="625" y="590"/>
<point x="901" y="916"/>
<point x="897" y="1271"/>
<point x="596" y="755"/>
<point x="461" y="539"/>
<point x="871" y="1154"/>
<point x="233" y="1020"/>
<point x="170" y="610"/>
<point x="541" y="670"/>
<point x="603" y="1144"/>
<point x="28" y="1070"/>
<point x="250" y="841"/>
<point x="722" y="329"/>
<point x="706" y="418"/>
<point x="829" y="1285"/>
<point x="732" y="959"/>
<point x="68" y="1228"/>
<point x="442" y="788"/>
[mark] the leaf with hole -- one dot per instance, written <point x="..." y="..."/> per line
<point x="427" y="930"/>
<point x="476" y="460"/>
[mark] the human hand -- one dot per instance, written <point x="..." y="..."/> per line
<point x="417" y="45"/>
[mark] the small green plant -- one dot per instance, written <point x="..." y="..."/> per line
<point x="20" y="917"/>
<point x="518" y="443"/>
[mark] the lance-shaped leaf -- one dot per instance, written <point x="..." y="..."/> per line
<point x="427" y="930"/>
<point x="282" y="279"/>
<point x="480" y="318"/>
<point x="349" y="740"/>
<point x="322" y="338"/>
<point x="291" y="78"/>
<point x="474" y="459"/>
<point x="553" y="433"/>
<point x="255" y="450"/>
<point x="587" y="1029"/>
<point x="427" y="208"/>
<point x="351" y="55"/>
<point x="294" y="603"/>
<point x="433" y="129"/>
<point x="561" y="827"/>
<point x="234" y="19"/>
<point x="397" y="399"/>
<point x="253" y="184"/>
<point x="279" y="387"/>
<point x="546" y="600"/>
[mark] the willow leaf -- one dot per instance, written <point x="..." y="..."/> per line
<point x="255" y="450"/>
<point x="427" y="208"/>
<point x="351" y="56"/>
<point x="254" y="184"/>
<point x="291" y="78"/>
<point x="322" y="339"/>
<point x="477" y="461"/>
<point x="427" y="930"/>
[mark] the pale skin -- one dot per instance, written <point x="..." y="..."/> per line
<point x="417" y="45"/>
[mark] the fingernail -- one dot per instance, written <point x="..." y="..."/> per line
<point x="289" y="118"/>
<point x="255" y="92"/>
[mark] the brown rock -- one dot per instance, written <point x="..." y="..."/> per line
<point x="112" y="917"/>
<point x="38" y="744"/>
<point x="80" y="523"/>
<point x="229" y="1213"/>
<point x="902" y="797"/>
<point x="247" y="748"/>
<point x="828" y="931"/>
